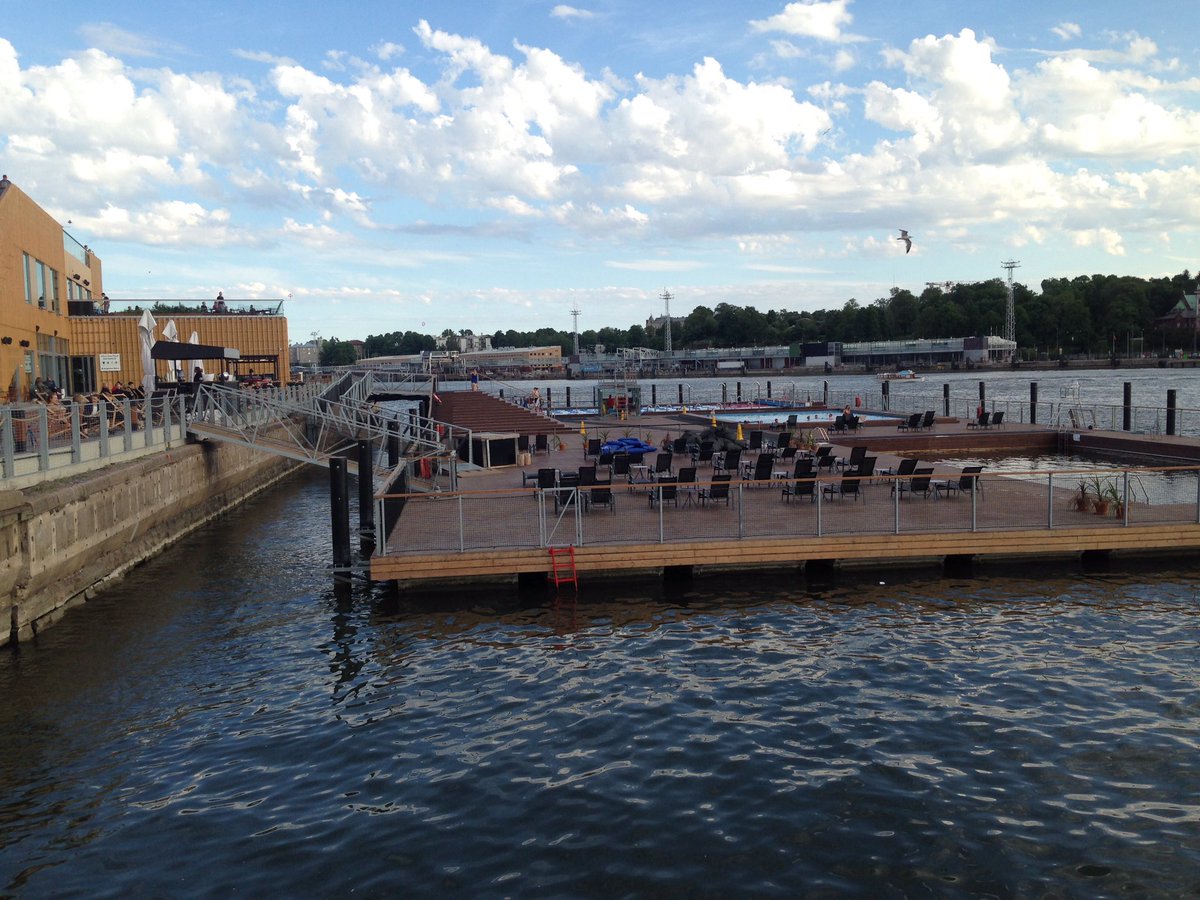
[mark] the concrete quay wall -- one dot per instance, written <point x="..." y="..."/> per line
<point x="63" y="541"/>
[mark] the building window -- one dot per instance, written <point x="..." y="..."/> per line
<point x="27" y="268"/>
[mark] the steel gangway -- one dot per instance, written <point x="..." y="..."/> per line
<point x="311" y="426"/>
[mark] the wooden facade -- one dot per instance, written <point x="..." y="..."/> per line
<point x="52" y="323"/>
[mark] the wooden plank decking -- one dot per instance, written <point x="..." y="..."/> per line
<point x="494" y="529"/>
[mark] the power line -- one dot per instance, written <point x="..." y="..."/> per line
<point x="1010" y="311"/>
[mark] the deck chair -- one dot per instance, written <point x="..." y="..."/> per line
<point x="547" y="478"/>
<point x="620" y="465"/>
<point x="788" y="453"/>
<point x="541" y="444"/>
<point x="913" y="423"/>
<point x="592" y="448"/>
<point x="756" y="441"/>
<point x="998" y="419"/>
<point x="791" y="420"/>
<point x="927" y="421"/>
<point x="852" y="422"/>
<point x="605" y="459"/>
<point x="567" y="492"/>
<point x="729" y="462"/>
<point x="825" y="461"/>
<point x="984" y="420"/>
<point x="865" y="470"/>
<point x="846" y="486"/>
<point x="718" y="490"/>
<point x="704" y="454"/>
<point x="601" y="494"/>
<point x="968" y="481"/>
<point x="904" y="470"/>
<point x="680" y="446"/>
<point x="764" y="468"/>
<point x="839" y="423"/>
<point x="662" y="466"/>
<point x="522" y="443"/>
<point x="918" y="484"/>
<point x="856" y="456"/>
<point x="667" y="489"/>
<point x="803" y="483"/>
<point x="782" y="440"/>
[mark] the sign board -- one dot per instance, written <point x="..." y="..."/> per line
<point x="110" y="362"/>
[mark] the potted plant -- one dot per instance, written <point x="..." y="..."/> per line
<point x="1082" y="501"/>
<point x="1115" y="500"/>
<point x="557" y="442"/>
<point x="1100" y="499"/>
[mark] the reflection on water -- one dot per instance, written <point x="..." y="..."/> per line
<point x="224" y="721"/>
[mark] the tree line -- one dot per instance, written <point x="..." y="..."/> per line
<point x="1094" y="315"/>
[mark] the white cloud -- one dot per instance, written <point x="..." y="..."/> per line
<point x="119" y="42"/>
<point x="657" y="265"/>
<point x="1105" y="238"/>
<point x="1067" y="30"/>
<point x="820" y="19"/>
<point x="562" y="11"/>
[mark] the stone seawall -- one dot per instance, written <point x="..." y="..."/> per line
<point x="63" y="540"/>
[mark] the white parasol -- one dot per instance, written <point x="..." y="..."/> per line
<point x="194" y="339"/>
<point x="146" y="326"/>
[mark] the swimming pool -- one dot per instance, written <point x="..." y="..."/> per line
<point x="803" y="417"/>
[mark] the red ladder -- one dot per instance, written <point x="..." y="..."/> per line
<point x="562" y="566"/>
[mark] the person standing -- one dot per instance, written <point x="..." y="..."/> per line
<point x="474" y="379"/>
<point x="198" y="375"/>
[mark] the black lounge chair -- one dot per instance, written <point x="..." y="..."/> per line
<point x="846" y="486"/>
<point x="764" y="468"/>
<point x="718" y="490"/>
<point x="804" y="482"/>
<point x="984" y="420"/>
<point x="856" y="456"/>
<point x="620" y="465"/>
<point x="662" y="466"/>
<point x="680" y="446"/>
<point x="667" y="489"/>
<point x="791" y="420"/>
<point x="729" y="462"/>
<point x="913" y="423"/>
<point x="591" y="448"/>
<point x="968" y="481"/>
<point x="756" y="441"/>
<point x="927" y="421"/>
<point x="704" y="454"/>
<point x="904" y="470"/>
<point x="918" y="484"/>
<point x="788" y="453"/>
<point x="541" y="444"/>
<point x="998" y="419"/>
<point x="601" y="494"/>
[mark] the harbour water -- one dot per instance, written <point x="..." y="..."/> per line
<point x="222" y="721"/>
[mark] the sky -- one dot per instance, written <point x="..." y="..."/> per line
<point x="412" y="165"/>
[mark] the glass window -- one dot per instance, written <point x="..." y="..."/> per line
<point x="52" y="290"/>
<point x="40" y="268"/>
<point x="26" y="264"/>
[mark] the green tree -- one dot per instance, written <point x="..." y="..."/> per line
<point x="337" y="353"/>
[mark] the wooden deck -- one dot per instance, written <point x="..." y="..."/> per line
<point x="495" y="528"/>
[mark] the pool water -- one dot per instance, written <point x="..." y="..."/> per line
<point x="803" y="417"/>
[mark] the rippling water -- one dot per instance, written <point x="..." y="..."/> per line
<point x="221" y="722"/>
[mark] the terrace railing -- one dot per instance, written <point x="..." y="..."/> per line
<point x="461" y="521"/>
<point x="37" y="442"/>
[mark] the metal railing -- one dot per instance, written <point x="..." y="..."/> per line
<point x="36" y="440"/>
<point x="530" y="517"/>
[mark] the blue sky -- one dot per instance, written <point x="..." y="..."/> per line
<point x="414" y="165"/>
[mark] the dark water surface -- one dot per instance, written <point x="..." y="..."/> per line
<point x="221" y="723"/>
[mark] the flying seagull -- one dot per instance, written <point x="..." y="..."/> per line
<point x="907" y="240"/>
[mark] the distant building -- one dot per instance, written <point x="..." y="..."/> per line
<point x="658" y="322"/>
<point x="1182" y="315"/>
<point x="467" y="343"/>
<point x="306" y="354"/>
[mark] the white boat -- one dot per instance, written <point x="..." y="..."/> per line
<point x="902" y="375"/>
